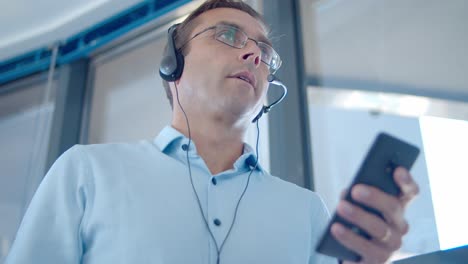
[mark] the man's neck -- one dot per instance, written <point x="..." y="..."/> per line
<point x="219" y="144"/>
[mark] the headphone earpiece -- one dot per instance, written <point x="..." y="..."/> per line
<point x="172" y="63"/>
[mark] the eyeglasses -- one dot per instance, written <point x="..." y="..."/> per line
<point x="236" y="38"/>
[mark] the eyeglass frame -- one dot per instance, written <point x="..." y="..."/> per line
<point x="244" y="43"/>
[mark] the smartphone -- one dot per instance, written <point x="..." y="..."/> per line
<point x="385" y="155"/>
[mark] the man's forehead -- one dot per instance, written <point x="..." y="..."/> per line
<point x="236" y="18"/>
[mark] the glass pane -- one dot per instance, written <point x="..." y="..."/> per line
<point x="128" y="100"/>
<point x="25" y="123"/>
<point x="446" y="144"/>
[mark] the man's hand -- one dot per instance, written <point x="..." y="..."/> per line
<point x="386" y="234"/>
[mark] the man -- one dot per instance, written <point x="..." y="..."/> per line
<point x="196" y="194"/>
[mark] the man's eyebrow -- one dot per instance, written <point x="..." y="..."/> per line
<point x="261" y="38"/>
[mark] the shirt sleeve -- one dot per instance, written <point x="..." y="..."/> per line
<point x="320" y="218"/>
<point x="50" y="229"/>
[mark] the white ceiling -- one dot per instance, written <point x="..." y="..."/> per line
<point x="26" y="25"/>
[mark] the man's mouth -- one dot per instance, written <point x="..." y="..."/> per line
<point x="245" y="76"/>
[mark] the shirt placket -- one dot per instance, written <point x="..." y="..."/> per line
<point x="210" y="214"/>
<point x="213" y="217"/>
<point x="201" y="174"/>
<point x="224" y="196"/>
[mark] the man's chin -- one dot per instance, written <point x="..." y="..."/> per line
<point x="239" y="111"/>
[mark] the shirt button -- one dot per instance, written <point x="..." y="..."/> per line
<point x="184" y="147"/>
<point x="217" y="222"/>
<point x="213" y="180"/>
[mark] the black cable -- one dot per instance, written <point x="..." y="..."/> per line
<point x="218" y="249"/>
<point x="245" y="189"/>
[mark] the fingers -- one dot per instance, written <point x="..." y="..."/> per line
<point x="390" y="206"/>
<point x="377" y="228"/>
<point x="408" y="186"/>
<point x="370" y="252"/>
<point x="386" y="234"/>
<point x="343" y="193"/>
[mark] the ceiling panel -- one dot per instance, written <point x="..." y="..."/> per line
<point x="418" y="45"/>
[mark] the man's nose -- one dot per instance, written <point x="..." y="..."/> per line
<point x="251" y="53"/>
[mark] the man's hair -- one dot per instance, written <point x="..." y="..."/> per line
<point x="184" y="30"/>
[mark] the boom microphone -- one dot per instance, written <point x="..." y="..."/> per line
<point x="265" y="109"/>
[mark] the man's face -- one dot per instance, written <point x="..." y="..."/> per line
<point x="219" y="78"/>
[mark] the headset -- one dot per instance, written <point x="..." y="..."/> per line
<point x="172" y="66"/>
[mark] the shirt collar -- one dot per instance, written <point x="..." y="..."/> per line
<point x="169" y="141"/>
<point x="167" y="135"/>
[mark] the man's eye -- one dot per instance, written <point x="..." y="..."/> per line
<point x="228" y="35"/>
<point x="266" y="55"/>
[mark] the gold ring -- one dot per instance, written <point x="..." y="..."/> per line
<point x="387" y="235"/>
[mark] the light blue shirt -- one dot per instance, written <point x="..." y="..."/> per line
<point x="133" y="203"/>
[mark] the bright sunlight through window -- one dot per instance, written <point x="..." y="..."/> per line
<point x="446" y="149"/>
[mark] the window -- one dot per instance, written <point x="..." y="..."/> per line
<point x="344" y="124"/>
<point x="25" y="124"/>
